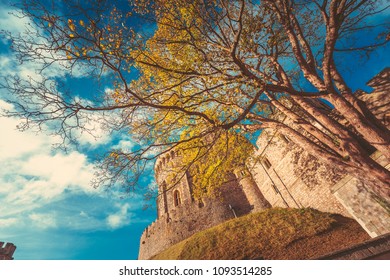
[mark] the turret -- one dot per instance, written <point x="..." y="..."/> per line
<point x="173" y="186"/>
<point x="7" y="251"/>
<point x="251" y="190"/>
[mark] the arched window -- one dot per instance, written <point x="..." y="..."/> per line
<point x="267" y="163"/>
<point x="176" y="198"/>
<point x="284" y="138"/>
<point x="165" y="200"/>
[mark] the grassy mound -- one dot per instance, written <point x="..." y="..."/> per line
<point x="276" y="233"/>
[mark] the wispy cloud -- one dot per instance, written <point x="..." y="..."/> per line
<point x="126" y="145"/>
<point x="8" y="222"/>
<point x="120" y="218"/>
<point x="43" y="220"/>
<point x="33" y="175"/>
<point x="10" y="22"/>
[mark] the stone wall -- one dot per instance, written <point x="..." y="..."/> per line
<point x="364" y="206"/>
<point x="375" y="249"/>
<point x="191" y="217"/>
<point x="291" y="177"/>
<point x="379" y="100"/>
<point x="6" y="251"/>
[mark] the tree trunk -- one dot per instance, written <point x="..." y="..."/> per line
<point x="376" y="137"/>
<point x="310" y="128"/>
<point x="358" y="104"/>
<point x="364" y="168"/>
<point x="361" y="106"/>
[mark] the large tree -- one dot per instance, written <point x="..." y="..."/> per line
<point x="206" y="70"/>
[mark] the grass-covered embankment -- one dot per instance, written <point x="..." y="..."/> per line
<point x="276" y="233"/>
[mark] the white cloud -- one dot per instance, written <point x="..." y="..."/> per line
<point x="59" y="169"/>
<point x="114" y="221"/>
<point x="125" y="145"/>
<point x="33" y="177"/>
<point x="10" y="22"/>
<point x="8" y="222"/>
<point x="43" y="220"/>
<point x="4" y="62"/>
<point x="120" y="218"/>
<point x="97" y="135"/>
<point x="14" y="144"/>
<point x="83" y="214"/>
<point x="32" y="174"/>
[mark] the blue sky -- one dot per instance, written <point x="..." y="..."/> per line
<point x="48" y="208"/>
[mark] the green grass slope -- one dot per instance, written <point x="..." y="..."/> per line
<point x="276" y="233"/>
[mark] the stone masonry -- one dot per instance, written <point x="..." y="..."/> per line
<point x="291" y="177"/>
<point x="365" y="207"/>
<point x="7" y="251"/>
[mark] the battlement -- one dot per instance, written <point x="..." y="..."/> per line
<point x="164" y="159"/>
<point x="6" y="251"/>
<point x="180" y="223"/>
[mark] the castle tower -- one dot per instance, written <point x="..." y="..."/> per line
<point x="180" y="215"/>
<point x="7" y="251"/>
<point x="173" y="184"/>
<point x="251" y="190"/>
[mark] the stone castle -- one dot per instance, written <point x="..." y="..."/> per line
<point x="283" y="176"/>
<point x="179" y="215"/>
<point x="7" y="251"/>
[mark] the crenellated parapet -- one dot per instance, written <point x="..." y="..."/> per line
<point x="182" y="222"/>
<point x="164" y="160"/>
<point x="6" y="251"/>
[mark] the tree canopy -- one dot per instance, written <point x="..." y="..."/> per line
<point x="184" y="72"/>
